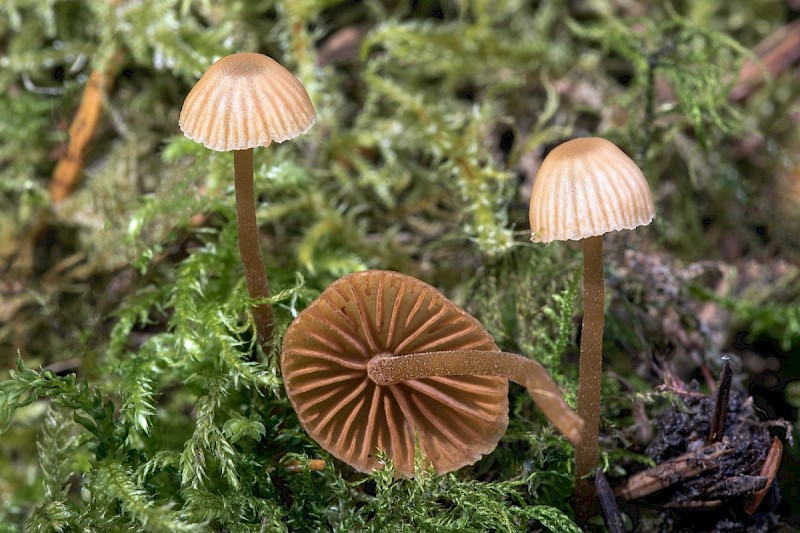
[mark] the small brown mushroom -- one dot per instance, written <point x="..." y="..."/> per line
<point x="384" y="362"/>
<point x="246" y="100"/>
<point x="585" y="188"/>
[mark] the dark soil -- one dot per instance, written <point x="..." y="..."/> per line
<point x="716" y="497"/>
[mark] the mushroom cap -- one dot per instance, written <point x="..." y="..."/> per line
<point x="246" y="100"/>
<point x="454" y="419"/>
<point x="587" y="187"/>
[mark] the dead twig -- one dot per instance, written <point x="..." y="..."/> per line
<point x="608" y="504"/>
<point x="776" y="53"/>
<point x="721" y="404"/>
<point x="673" y="471"/>
<point x="67" y="174"/>
<point x="768" y="470"/>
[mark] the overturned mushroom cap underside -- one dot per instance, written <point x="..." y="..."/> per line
<point x="454" y="420"/>
<point x="246" y="100"/>
<point x="587" y="187"/>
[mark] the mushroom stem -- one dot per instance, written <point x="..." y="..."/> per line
<point x="387" y="369"/>
<point x="254" y="273"/>
<point x="590" y="374"/>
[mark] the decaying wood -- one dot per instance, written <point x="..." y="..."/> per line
<point x="768" y="470"/>
<point x="721" y="405"/>
<point x="728" y="442"/>
<point x="714" y="495"/>
<point x="67" y="174"/>
<point x="694" y="505"/>
<point x="735" y="486"/>
<point x="608" y="505"/>
<point x="672" y="471"/>
<point x="775" y="54"/>
<point x="314" y="465"/>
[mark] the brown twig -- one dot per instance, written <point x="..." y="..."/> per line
<point x="675" y="470"/>
<point x="608" y="504"/>
<point x="67" y="174"/>
<point x="735" y="485"/>
<point x="721" y="405"/>
<point x="776" y="53"/>
<point x="313" y="465"/>
<point x="768" y="470"/>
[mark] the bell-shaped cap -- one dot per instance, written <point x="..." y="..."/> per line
<point x="587" y="187"/>
<point x="454" y="419"/>
<point x="246" y="100"/>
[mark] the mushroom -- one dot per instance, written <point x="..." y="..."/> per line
<point x="587" y="187"/>
<point x="242" y="101"/>
<point x="384" y="362"/>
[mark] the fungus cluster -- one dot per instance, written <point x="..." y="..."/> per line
<point x="382" y="362"/>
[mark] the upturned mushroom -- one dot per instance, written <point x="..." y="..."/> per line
<point x="587" y="187"/>
<point x="382" y="361"/>
<point x="242" y="101"/>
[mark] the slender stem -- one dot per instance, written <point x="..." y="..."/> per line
<point x="388" y="369"/>
<point x="590" y="376"/>
<point x="254" y="273"/>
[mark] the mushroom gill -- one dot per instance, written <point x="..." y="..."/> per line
<point x="325" y="359"/>
<point x="383" y="361"/>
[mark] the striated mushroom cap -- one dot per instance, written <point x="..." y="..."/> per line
<point x="246" y="100"/>
<point x="587" y="187"/>
<point x="455" y="420"/>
